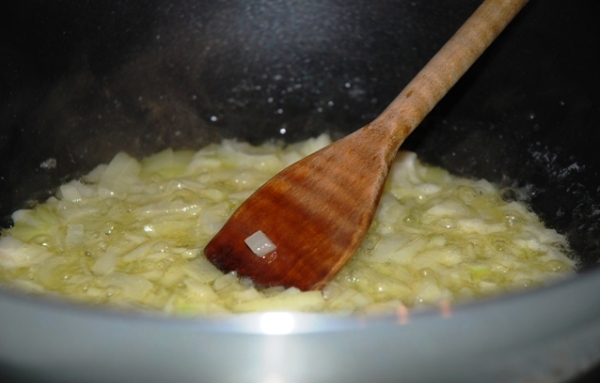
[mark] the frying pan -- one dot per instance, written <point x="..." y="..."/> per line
<point x="80" y="81"/>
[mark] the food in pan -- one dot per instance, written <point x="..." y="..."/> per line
<point x="130" y="234"/>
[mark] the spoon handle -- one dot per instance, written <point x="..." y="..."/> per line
<point x="432" y="83"/>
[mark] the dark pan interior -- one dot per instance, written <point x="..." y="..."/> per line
<point x="82" y="80"/>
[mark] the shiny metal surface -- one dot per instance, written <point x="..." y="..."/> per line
<point x="543" y="335"/>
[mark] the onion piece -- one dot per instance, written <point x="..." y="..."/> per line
<point x="260" y="244"/>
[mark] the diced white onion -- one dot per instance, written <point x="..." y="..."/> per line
<point x="131" y="234"/>
<point x="260" y="244"/>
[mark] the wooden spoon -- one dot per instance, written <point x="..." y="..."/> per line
<point x="318" y="210"/>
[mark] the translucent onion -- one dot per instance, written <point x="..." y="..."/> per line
<point x="130" y="234"/>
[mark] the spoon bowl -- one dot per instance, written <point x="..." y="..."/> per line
<point x="316" y="212"/>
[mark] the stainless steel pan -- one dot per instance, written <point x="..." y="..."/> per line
<point x="82" y="80"/>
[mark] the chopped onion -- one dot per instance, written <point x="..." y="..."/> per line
<point x="260" y="244"/>
<point x="131" y="235"/>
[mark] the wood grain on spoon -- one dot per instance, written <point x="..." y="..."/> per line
<point x="318" y="210"/>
